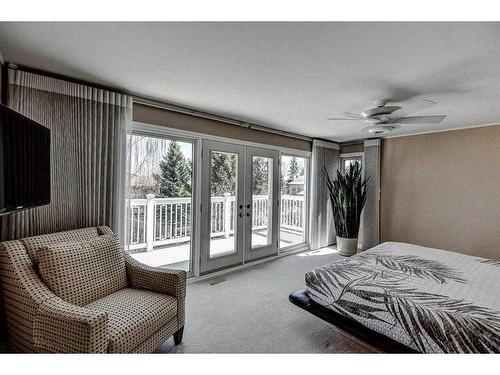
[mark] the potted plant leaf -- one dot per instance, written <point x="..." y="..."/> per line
<point x="347" y="196"/>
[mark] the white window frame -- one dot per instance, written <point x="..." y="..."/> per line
<point x="351" y="156"/>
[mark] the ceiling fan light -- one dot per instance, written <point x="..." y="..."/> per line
<point x="380" y="129"/>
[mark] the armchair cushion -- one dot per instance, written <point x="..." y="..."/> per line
<point x="81" y="272"/>
<point x="134" y="316"/>
<point x="33" y="244"/>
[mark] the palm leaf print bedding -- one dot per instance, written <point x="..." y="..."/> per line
<point x="431" y="300"/>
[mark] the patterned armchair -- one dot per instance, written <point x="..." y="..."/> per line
<point x="147" y="308"/>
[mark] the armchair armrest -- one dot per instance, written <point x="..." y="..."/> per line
<point x="140" y="276"/>
<point x="61" y="327"/>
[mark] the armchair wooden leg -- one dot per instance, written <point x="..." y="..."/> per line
<point x="178" y="335"/>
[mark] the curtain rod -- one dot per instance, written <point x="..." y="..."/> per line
<point x="140" y="99"/>
<point x="211" y="116"/>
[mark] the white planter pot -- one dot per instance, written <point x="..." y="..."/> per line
<point x="347" y="246"/>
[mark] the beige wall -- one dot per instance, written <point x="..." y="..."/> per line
<point x="158" y="116"/>
<point x="443" y="190"/>
<point x="356" y="147"/>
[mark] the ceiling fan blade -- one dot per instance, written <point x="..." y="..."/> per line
<point x="360" y="120"/>
<point x="413" y="107"/>
<point x="345" y="119"/>
<point x="419" y="120"/>
<point x="349" y="129"/>
<point x="355" y="115"/>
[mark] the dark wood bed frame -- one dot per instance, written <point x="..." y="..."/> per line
<point x="385" y="344"/>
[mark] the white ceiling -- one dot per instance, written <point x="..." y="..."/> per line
<point x="289" y="76"/>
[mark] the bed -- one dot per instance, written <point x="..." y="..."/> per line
<point x="405" y="298"/>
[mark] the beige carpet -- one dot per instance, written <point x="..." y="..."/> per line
<point x="250" y="313"/>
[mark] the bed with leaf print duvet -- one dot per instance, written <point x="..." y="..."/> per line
<point x="430" y="300"/>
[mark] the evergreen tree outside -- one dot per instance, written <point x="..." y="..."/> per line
<point x="173" y="176"/>
<point x="260" y="175"/>
<point x="293" y="170"/>
<point x="283" y="181"/>
<point x="174" y="179"/>
<point x="223" y="174"/>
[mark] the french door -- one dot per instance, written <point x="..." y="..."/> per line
<point x="239" y="204"/>
<point x="262" y="203"/>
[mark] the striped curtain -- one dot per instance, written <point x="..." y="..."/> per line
<point x="89" y="131"/>
<point x="322" y="226"/>
<point x="370" y="217"/>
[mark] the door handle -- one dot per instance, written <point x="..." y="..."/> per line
<point x="240" y="214"/>
<point x="249" y="214"/>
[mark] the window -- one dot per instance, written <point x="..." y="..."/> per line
<point x="243" y="208"/>
<point x="294" y="190"/>
<point x="347" y="160"/>
<point x="160" y="207"/>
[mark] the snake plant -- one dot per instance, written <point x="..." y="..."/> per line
<point x="347" y="197"/>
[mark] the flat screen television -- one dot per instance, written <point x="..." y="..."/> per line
<point x="24" y="162"/>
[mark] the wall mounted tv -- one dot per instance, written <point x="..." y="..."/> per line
<point x="24" y="162"/>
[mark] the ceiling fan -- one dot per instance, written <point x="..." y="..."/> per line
<point x="385" y="118"/>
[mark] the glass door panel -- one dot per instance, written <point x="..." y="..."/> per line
<point x="262" y="203"/>
<point x="293" y="214"/>
<point x="223" y="191"/>
<point x="222" y="205"/>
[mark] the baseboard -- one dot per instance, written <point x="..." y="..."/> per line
<point x="300" y="249"/>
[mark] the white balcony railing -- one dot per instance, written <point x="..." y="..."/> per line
<point x="162" y="221"/>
